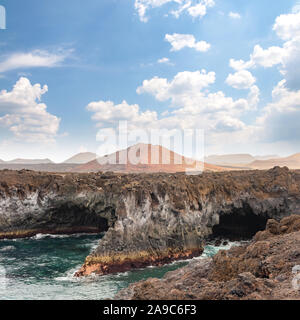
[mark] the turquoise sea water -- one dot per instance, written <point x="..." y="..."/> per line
<point x="42" y="267"/>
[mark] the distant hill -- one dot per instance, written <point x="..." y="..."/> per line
<point x="177" y="163"/>
<point x="51" y="167"/>
<point x="235" y="159"/>
<point x="292" y="162"/>
<point x="268" y="157"/>
<point x="228" y="159"/>
<point x="29" y="161"/>
<point x="144" y="153"/>
<point x="82" y="158"/>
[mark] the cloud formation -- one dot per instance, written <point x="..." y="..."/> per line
<point x="22" y="113"/>
<point x="180" y="41"/>
<point x="195" y="8"/>
<point x="107" y="114"/>
<point x="242" y="79"/>
<point x="182" y="86"/>
<point x="265" y="58"/>
<point x="234" y="15"/>
<point x="287" y="28"/>
<point x="192" y="103"/>
<point x="193" y="106"/>
<point x="279" y="119"/>
<point x="164" y="61"/>
<point x="37" y="58"/>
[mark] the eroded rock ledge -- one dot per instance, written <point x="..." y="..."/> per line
<point x="148" y="218"/>
<point x="267" y="268"/>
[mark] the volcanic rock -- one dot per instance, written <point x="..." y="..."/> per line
<point x="264" y="269"/>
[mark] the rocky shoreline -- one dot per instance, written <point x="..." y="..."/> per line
<point x="266" y="269"/>
<point x="148" y="219"/>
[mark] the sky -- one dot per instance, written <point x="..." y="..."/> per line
<point x="71" y="68"/>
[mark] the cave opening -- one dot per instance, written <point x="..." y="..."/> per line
<point x="70" y="218"/>
<point x="239" y="224"/>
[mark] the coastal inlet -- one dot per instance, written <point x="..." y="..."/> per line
<point x="42" y="267"/>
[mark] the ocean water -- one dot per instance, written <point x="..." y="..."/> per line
<point x="42" y="267"/>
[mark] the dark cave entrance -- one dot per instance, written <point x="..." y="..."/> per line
<point x="239" y="224"/>
<point x="70" y="218"/>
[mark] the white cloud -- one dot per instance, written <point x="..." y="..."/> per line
<point x="23" y="114"/>
<point x="185" y="6"/>
<point x="194" y="106"/>
<point x="240" y="64"/>
<point x="287" y="26"/>
<point x="199" y="10"/>
<point x="280" y="118"/>
<point x="164" y="60"/>
<point x="242" y="79"/>
<point x="107" y="114"/>
<point x="234" y="15"/>
<point x="193" y="7"/>
<point x="143" y="5"/>
<point x="291" y="62"/>
<point x="180" y="41"/>
<point x="253" y="96"/>
<point x="287" y="57"/>
<point x="260" y="57"/>
<point x="278" y="122"/>
<point x="37" y="58"/>
<point x="267" y="58"/>
<point x="183" y="85"/>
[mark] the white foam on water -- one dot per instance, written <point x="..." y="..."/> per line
<point x="69" y="275"/>
<point x="3" y="279"/>
<point x="210" y="250"/>
<point x="61" y="236"/>
<point x="7" y="248"/>
<point x="40" y="236"/>
<point x="121" y="274"/>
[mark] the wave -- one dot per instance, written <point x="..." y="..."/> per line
<point x="7" y="248"/>
<point x="40" y="236"/>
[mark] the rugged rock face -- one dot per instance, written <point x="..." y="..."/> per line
<point x="267" y="268"/>
<point x="148" y="218"/>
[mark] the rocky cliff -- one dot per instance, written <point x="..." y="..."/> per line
<point x="148" y="218"/>
<point x="267" y="268"/>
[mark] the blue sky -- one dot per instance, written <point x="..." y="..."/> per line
<point x="91" y="52"/>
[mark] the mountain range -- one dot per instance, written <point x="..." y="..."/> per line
<point x="229" y="159"/>
<point x="88" y="162"/>
<point x="292" y="162"/>
<point x="29" y="161"/>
